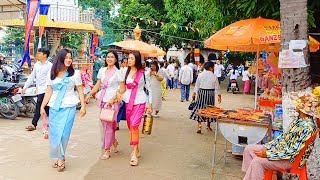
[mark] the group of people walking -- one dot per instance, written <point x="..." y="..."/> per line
<point x="61" y="88"/>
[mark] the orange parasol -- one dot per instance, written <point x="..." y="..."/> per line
<point x="247" y="35"/>
<point x="160" y="52"/>
<point x="142" y="47"/>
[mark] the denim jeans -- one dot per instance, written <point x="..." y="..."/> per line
<point x="185" y="91"/>
<point x="175" y="83"/>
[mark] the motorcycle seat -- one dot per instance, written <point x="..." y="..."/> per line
<point x="6" y="86"/>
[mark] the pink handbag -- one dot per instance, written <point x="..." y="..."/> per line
<point x="107" y="113"/>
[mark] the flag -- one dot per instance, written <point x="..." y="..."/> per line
<point x="94" y="43"/>
<point x="43" y="16"/>
<point x="32" y="9"/>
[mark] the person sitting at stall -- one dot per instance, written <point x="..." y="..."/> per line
<point x="281" y="152"/>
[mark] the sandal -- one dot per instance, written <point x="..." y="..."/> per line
<point x="55" y="165"/>
<point x="134" y="161"/>
<point x="30" y="128"/>
<point x="138" y="155"/>
<point x="199" y="129"/>
<point x="115" y="146"/>
<point x="106" y="155"/>
<point x="61" y="167"/>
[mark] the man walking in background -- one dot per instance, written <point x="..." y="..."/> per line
<point x="171" y="73"/>
<point x="218" y="68"/>
<point x="97" y="64"/>
<point x="185" y="78"/>
<point x="40" y="73"/>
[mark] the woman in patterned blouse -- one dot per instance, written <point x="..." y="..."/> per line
<point x="281" y="152"/>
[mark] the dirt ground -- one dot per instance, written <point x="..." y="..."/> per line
<point x="174" y="151"/>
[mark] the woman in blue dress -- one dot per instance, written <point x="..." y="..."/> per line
<point x="62" y="100"/>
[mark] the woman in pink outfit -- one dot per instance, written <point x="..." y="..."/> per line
<point x="137" y="95"/>
<point x="110" y="82"/>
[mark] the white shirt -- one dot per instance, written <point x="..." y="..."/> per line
<point x="207" y="80"/>
<point x="112" y="84"/>
<point x="71" y="97"/>
<point x="246" y="75"/>
<point x="218" y="68"/>
<point x="141" y="96"/>
<point x="186" y="75"/>
<point x="176" y="74"/>
<point x="165" y="73"/>
<point x="171" y="70"/>
<point x="40" y="74"/>
<point x="193" y="66"/>
<point x="235" y="75"/>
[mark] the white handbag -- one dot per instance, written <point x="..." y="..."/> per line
<point x="107" y="113"/>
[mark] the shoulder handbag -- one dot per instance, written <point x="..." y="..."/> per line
<point x="192" y="105"/>
<point x="144" y="88"/>
<point x="107" y="113"/>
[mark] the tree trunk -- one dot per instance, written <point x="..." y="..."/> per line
<point x="294" y="26"/>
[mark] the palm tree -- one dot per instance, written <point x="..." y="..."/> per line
<point x="294" y="26"/>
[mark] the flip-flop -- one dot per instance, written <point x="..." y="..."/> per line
<point x="30" y="128"/>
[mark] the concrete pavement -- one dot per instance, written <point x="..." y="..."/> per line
<point x="173" y="151"/>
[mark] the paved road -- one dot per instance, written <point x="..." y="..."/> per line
<point x="173" y="151"/>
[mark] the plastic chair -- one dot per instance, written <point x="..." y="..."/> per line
<point x="302" y="172"/>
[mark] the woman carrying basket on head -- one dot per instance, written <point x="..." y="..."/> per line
<point x="138" y="86"/>
<point x="207" y="85"/>
<point x="62" y="100"/>
<point x="110" y="81"/>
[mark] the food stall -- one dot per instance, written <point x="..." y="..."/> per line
<point x="240" y="127"/>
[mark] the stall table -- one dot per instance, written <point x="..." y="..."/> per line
<point x="238" y="132"/>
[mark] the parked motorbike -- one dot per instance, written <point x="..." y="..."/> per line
<point x="28" y="102"/>
<point x="233" y="87"/>
<point x="9" y="99"/>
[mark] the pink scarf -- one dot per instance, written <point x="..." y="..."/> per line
<point x="134" y="87"/>
<point x="104" y="85"/>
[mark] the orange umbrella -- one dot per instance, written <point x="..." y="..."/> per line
<point x="160" y="52"/>
<point x="142" y="47"/>
<point x="247" y="35"/>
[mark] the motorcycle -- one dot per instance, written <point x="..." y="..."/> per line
<point x="28" y="102"/>
<point x="9" y="99"/>
<point x="233" y="87"/>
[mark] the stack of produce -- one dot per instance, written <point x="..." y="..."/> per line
<point x="270" y="97"/>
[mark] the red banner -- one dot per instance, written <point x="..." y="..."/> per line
<point x="32" y="9"/>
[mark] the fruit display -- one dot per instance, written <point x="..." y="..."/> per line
<point x="271" y="97"/>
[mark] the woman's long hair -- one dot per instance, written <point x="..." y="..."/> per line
<point x="156" y="64"/>
<point x="117" y="59"/>
<point x="234" y="70"/>
<point x="58" y="64"/>
<point x="137" y="64"/>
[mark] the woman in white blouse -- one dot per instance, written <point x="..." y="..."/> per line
<point x="109" y="81"/>
<point x="62" y="100"/>
<point x="207" y="85"/>
<point x="138" y="93"/>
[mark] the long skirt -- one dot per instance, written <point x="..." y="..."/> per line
<point x="156" y="96"/>
<point x="60" y="123"/>
<point x="134" y="122"/>
<point x="247" y="86"/>
<point x="205" y="97"/>
<point x="164" y="87"/>
<point x="255" y="167"/>
<point x="109" y="129"/>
